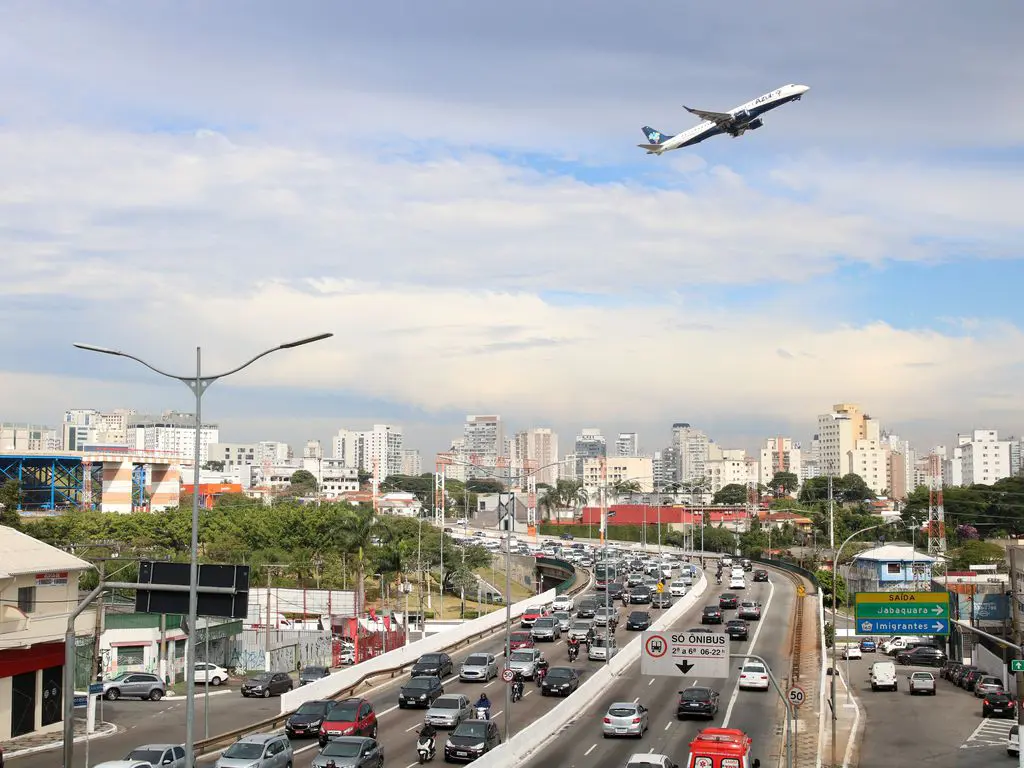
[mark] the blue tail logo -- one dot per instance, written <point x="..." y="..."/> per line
<point x="653" y="136"/>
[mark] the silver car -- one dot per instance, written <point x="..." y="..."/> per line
<point x="479" y="666"/>
<point x="564" y="620"/>
<point x="546" y="628"/>
<point x="524" y="661"/>
<point x="351" y="752"/>
<point x="159" y="755"/>
<point x="602" y="648"/>
<point x="922" y="682"/>
<point x="581" y="629"/>
<point x="448" y="711"/>
<point x="142" y="685"/>
<point x="258" y="750"/>
<point x="624" y="718"/>
<point x="749" y="609"/>
<point x="604" y="614"/>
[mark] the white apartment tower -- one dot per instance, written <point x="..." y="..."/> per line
<point x="984" y="458"/>
<point x="361" y="449"/>
<point x="15" y="438"/>
<point x="412" y="464"/>
<point x="838" y="433"/>
<point x="538" y="445"/>
<point x="590" y="444"/>
<point x="173" y="433"/>
<point x="779" y="454"/>
<point x="484" y="443"/>
<point x="728" y="466"/>
<point x="313" y="450"/>
<point x="692" y="447"/>
<point x="87" y="426"/>
<point x="627" y="444"/>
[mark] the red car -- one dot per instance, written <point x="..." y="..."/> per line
<point x="520" y="640"/>
<point x="349" y="717"/>
<point x="530" y="615"/>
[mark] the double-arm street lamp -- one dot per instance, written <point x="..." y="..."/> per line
<point x="198" y="383"/>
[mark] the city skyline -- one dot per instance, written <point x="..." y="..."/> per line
<point x="490" y="239"/>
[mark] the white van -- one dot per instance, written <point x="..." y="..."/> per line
<point x="883" y="675"/>
<point x="893" y="645"/>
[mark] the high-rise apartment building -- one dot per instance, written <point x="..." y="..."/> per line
<point x="381" y="445"/>
<point x="87" y="426"/>
<point x="618" y="471"/>
<point x="172" y="432"/>
<point x="412" y="464"/>
<point x="313" y="450"/>
<point x="779" y="454"/>
<point x="590" y="444"/>
<point x="484" y="443"/>
<point x="15" y="438"/>
<point x="984" y="457"/>
<point x="728" y="467"/>
<point x="538" y="445"/>
<point x="267" y="452"/>
<point x="627" y="444"/>
<point x="838" y="433"/>
<point x="692" y="447"/>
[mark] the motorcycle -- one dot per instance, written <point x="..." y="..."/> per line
<point x="483" y="713"/>
<point x="517" y="691"/>
<point x="541" y="674"/>
<point x="425" y="747"/>
<point x="574" y="651"/>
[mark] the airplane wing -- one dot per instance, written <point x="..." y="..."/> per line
<point x="715" y="117"/>
<point x="652" y="149"/>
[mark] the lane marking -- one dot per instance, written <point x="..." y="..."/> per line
<point x="636" y="700"/>
<point x="668" y="725"/>
<point x="386" y="711"/>
<point x="418" y="725"/>
<point x="652" y="681"/>
<point x="750" y="649"/>
<point x="300" y="750"/>
<point x="592" y="748"/>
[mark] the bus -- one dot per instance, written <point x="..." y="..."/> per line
<point x="604" y="575"/>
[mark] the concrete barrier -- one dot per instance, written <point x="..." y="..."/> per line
<point x="333" y="684"/>
<point x="539" y="733"/>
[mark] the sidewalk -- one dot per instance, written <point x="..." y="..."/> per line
<point x="806" y="741"/>
<point x="848" y="725"/>
<point x="40" y="742"/>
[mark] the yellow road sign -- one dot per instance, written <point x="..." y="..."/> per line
<point x="661" y="587"/>
<point x="801" y="591"/>
<point x="902" y="598"/>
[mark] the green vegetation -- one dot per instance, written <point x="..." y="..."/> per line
<point x="985" y="511"/>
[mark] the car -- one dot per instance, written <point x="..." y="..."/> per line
<point x="258" y="750"/>
<point x="712" y="614"/>
<point x="749" y="609"/>
<point x="159" y="755"/>
<point x="1012" y="742"/>
<point x="601" y="649"/>
<point x="351" y="752"/>
<point x="210" y="674"/>
<point x="433" y="665"/>
<point x="949" y="669"/>
<point x="640" y="595"/>
<point x="353" y="716"/>
<point x="1000" y="704"/>
<point x="922" y="682"/>
<point x="531" y="614"/>
<point x="697" y="700"/>
<point x="678" y="588"/>
<point x="312" y="674"/>
<point x="638" y="621"/>
<point x="470" y="740"/>
<point x="564" y="620"/>
<point x="587" y="608"/>
<point x="651" y="760"/>
<point x="661" y="600"/>
<point x="760" y="575"/>
<point x="347" y="657"/>
<point x="987" y="685"/>
<point x="307" y="719"/>
<point x="267" y="684"/>
<point x="883" y="675"/>
<point x="520" y="639"/>
<point x="737" y="629"/>
<point x="604" y="615"/>
<point x="563" y="603"/>
<point x="113" y="763"/>
<point x="922" y="656"/>
<point x="869" y="646"/>
<point x="479" y="666"/>
<point x="852" y="652"/>
<point x="754" y="676"/>
<point x="448" y="711"/>
<point x="560" y="681"/>
<point x="625" y="718"/>
<point x="615" y="591"/>
<point x="546" y="628"/>
<point x="419" y="691"/>
<point x="747" y="565"/>
<point x="728" y="600"/>
<point x="525" y="661"/>
<point x="139" y="685"/>
<point x="737" y="583"/>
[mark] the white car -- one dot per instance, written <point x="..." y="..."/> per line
<point x="651" y="760"/>
<point x="852" y="652"/>
<point x="737" y="582"/>
<point x="563" y="603"/>
<point x="754" y="676"/>
<point x="210" y="673"/>
<point x="677" y="588"/>
<point x="1013" y="741"/>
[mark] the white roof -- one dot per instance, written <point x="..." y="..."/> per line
<point x="893" y="552"/>
<point x="20" y="553"/>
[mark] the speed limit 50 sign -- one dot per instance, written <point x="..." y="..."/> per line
<point x="796" y="696"/>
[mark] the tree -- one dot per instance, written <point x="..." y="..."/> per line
<point x="717" y="539"/>
<point x="825" y="580"/>
<point x="485" y="485"/>
<point x="302" y="483"/>
<point x="625" y="488"/>
<point x="787" y="481"/>
<point x="214" y="466"/>
<point x="10" y="498"/>
<point x="852" y="488"/>
<point x="357" y="537"/>
<point x="734" y="493"/>
<point x="363" y="477"/>
<point x="971" y="552"/>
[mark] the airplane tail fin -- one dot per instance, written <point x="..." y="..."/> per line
<point x="655" y="137"/>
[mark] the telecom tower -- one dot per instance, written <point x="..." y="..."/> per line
<point x="439" y="500"/>
<point x="936" y="513"/>
<point x="530" y="467"/>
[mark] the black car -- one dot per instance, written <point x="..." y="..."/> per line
<point x="697" y="701"/>
<point x="640" y="595"/>
<point x="737" y="629"/>
<point x="420" y="691"/>
<point x="999" y="705"/>
<point x="728" y="600"/>
<point x="307" y="719"/>
<point x="922" y="656"/>
<point x="661" y="600"/>
<point x="949" y="669"/>
<point x="587" y="609"/>
<point x="433" y="665"/>
<point x="267" y="684"/>
<point x="560" y="681"/>
<point x="760" y="575"/>
<point x="311" y="674"/>
<point x="470" y="740"/>
<point x="712" y="615"/>
<point x="638" y="620"/>
<point x="615" y="590"/>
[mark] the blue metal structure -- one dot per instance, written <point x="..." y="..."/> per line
<point x="139" y="500"/>
<point x="52" y="483"/>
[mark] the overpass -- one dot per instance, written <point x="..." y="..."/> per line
<point x="110" y="480"/>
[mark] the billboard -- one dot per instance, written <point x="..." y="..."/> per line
<point x="987" y="607"/>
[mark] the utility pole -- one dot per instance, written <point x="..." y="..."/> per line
<point x="1018" y="635"/>
<point x="835" y="576"/>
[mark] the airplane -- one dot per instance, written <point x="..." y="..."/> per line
<point x="735" y="122"/>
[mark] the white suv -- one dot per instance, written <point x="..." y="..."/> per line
<point x="563" y="603"/>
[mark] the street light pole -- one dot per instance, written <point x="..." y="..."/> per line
<point x="198" y="384"/>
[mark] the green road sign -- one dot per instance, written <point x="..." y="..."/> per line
<point x="1017" y="665"/>
<point x="902" y="612"/>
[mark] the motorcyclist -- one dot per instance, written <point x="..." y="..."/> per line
<point x="485" y="704"/>
<point x="428" y="733"/>
<point x="574" y="648"/>
<point x="517" y="685"/>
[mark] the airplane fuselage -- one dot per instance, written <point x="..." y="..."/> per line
<point x="746" y="117"/>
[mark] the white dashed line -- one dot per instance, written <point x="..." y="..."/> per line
<point x="668" y="725"/>
<point x="386" y="711"/>
<point x="592" y="748"/>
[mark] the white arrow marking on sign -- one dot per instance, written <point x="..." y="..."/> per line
<point x="938" y="627"/>
<point x="938" y="610"/>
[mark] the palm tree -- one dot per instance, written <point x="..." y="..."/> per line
<point x="357" y="536"/>
<point x="625" y="488"/>
<point x="551" y="501"/>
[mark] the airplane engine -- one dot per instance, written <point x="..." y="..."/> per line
<point x="741" y="117"/>
<point x="753" y="125"/>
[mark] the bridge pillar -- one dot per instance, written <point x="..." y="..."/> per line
<point x="117" y="486"/>
<point x="166" y="487"/>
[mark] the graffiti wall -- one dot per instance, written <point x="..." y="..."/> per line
<point x="286" y="650"/>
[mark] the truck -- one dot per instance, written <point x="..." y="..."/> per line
<point x="721" y="748"/>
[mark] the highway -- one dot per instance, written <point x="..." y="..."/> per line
<point x="757" y="713"/>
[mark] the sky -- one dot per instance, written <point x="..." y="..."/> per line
<point x="454" y="190"/>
